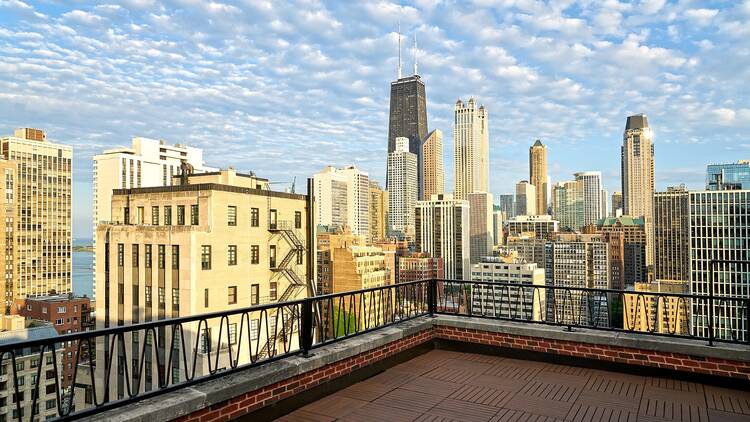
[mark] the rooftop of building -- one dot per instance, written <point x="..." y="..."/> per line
<point x="56" y="298"/>
<point x="637" y="121"/>
<point x="623" y="220"/>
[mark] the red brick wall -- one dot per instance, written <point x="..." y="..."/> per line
<point x="674" y="361"/>
<point x="265" y="396"/>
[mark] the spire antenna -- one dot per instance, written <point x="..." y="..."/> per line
<point x="399" y="49"/>
<point x="415" y="52"/>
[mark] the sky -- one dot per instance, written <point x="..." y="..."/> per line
<point x="286" y="88"/>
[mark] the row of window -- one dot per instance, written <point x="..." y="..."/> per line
<point x="148" y="258"/>
<point x="232" y="256"/>
<point x="194" y="216"/>
<point x="254" y="294"/>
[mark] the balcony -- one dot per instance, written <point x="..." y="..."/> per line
<point x="432" y="350"/>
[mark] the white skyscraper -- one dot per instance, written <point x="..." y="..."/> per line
<point x="442" y="230"/>
<point x="342" y="198"/>
<point x="480" y="225"/>
<point x="402" y="189"/>
<point x="592" y="196"/>
<point x="525" y="198"/>
<point x="471" y="149"/>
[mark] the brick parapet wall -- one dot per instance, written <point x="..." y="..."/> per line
<point x="254" y="400"/>
<point x="607" y="353"/>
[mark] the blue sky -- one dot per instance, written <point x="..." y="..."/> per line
<point x="285" y="88"/>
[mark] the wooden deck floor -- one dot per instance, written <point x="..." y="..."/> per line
<point x="443" y="386"/>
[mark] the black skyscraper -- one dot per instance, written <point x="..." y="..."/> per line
<point x="408" y="115"/>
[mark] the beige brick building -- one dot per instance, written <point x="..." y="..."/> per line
<point x="660" y="314"/>
<point x="9" y="215"/>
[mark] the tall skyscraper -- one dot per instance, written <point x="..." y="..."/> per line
<point x="471" y="149"/>
<point x="538" y="174"/>
<point x="431" y="170"/>
<point x="480" y="225"/>
<point x="591" y="182"/>
<point x="506" y="202"/>
<point x="342" y="198"/>
<point x="147" y="163"/>
<point x="8" y="242"/>
<point x="728" y="176"/>
<point x="605" y="203"/>
<point x="633" y="247"/>
<point x="42" y="189"/>
<point x="442" y="230"/>
<point x="408" y="112"/>
<point x="402" y="191"/>
<point x="525" y="203"/>
<point x="616" y="204"/>
<point x="638" y="176"/>
<point x="378" y="212"/>
<point x="671" y="220"/>
<point x="568" y="204"/>
<point x="719" y="223"/>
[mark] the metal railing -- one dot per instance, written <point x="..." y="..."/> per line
<point x="121" y="365"/>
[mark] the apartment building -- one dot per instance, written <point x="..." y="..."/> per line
<point x="526" y="301"/>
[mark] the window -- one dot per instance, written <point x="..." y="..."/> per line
<point x="299" y="258"/>
<point x="272" y="256"/>
<point x="205" y="298"/>
<point x="206" y="340"/>
<point x="120" y="254"/>
<point x="254" y="217"/>
<point x="59" y="321"/>
<point x="206" y="257"/>
<point x="34" y="363"/>
<point x="232" y="296"/>
<point x="272" y="290"/>
<point x="168" y="215"/>
<point x="175" y="257"/>
<point x="140" y="215"/>
<point x="148" y="295"/>
<point x="180" y="215"/>
<point x="161" y="295"/>
<point x="148" y="256"/>
<point x="51" y="404"/>
<point x="126" y="215"/>
<point x="297" y="219"/>
<point x="233" y="333"/>
<point x="33" y="379"/>
<point x="20" y="366"/>
<point x="232" y="255"/>
<point x="194" y="215"/>
<point x="175" y="297"/>
<point x="134" y="256"/>
<point x="254" y="254"/>
<point x="28" y="307"/>
<point x="154" y="216"/>
<point x="254" y="329"/>
<point x="21" y="380"/>
<point x="231" y="215"/>
<point x="50" y="360"/>
<point x="254" y="294"/>
<point x="44" y="309"/>
<point x="162" y="256"/>
<point x="60" y="309"/>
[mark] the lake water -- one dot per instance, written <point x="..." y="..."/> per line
<point x="83" y="273"/>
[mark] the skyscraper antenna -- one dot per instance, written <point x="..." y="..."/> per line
<point x="399" y="49"/>
<point x="415" y="52"/>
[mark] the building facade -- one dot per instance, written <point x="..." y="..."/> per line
<point x="378" y="212"/>
<point x="616" y="204"/>
<point x="408" y="113"/>
<point x="525" y="202"/>
<point x="42" y="192"/>
<point x="672" y="235"/>
<point x="728" y="176"/>
<point x="480" y="225"/>
<point x="471" y="149"/>
<point x="540" y="225"/>
<point x="8" y="242"/>
<point x="506" y="202"/>
<point x="634" y="247"/>
<point x="402" y="190"/>
<point x="342" y="198"/>
<point x="568" y="205"/>
<point x="419" y="266"/>
<point x="498" y="232"/>
<point x="431" y="168"/>
<point x="657" y="314"/>
<point x="538" y="175"/>
<point x="442" y="231"/>
<point x="591" y="184"/>
<point x="524" y="301"/>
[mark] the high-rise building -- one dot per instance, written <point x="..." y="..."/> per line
<point x="719" y="223"/>
<point x="147" y="163"/>
<point x="442" y="230"/>
<point x="402" y="190"/>
<point x="605" y="203"/>
<point x="591" y="183"/>
<point x="638" y="176"/>
<point x="525" y="203"/>
<point x="527" y="248"/>
<point x="326" y="242"/>
<point x="42" y="192"/>
<point x="470" y="149"/>
<point x="342" y="198"/>
<point x="419" y="266"/>
<point x="616" y="204"/>
<point x="538" y="175"/>
<point x="498" y="233"/>
<point x="633" y="247"/>
<point x="506" y="202"/>
<point x="526" y="301"/>
<point x="539" y="226"/>
<point x="393" y="250"/>
<point x="480" y="225"/>
<point x="577" y="260"/>
<point x="671" y="234"/>
<point x="431" y="169"/>
<point x="9" y="215"/>
<point x="408" y="112"/>
<point x="568" y="204"/>
<point x="728" y="176"/>
<point x="216" y="242"/>
<point x="378" y="212"/>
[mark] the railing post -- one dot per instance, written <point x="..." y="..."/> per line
<point x="307" y="326"/>
<point x="432" y="296"/>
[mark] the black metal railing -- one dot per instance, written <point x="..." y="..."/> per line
<point x="120" y="365"/>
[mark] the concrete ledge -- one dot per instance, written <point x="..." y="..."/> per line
<point x="736" y="352"/>
<point x="201" y="396"/>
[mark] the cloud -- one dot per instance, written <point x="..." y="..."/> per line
<point x="701" y="17"/>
